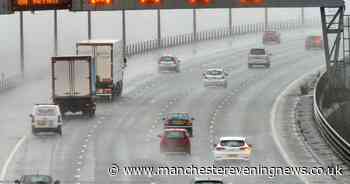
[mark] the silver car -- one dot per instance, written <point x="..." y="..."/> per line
<point x="259" y="56"/>
<point x="215" y="77"/>
<point x="168" y="62"/>
<point x="46" y="117"/>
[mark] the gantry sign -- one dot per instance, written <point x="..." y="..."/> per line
<point x="8" y="6"/>
<point x="83" y="5"/>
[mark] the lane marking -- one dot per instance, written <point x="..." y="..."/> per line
<point x="9" y="159"/>
<point x="273" y="113"/>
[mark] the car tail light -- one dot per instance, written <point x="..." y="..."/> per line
<point x="245" y="147"/>
<point x="107" y="90"/>
<point x="184" y="141"/>
<point x="106" y="80"/>
<point x="219" y="148"/>
<point x="189" y="123"/>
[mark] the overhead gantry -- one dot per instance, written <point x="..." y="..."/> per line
<point x="332" y="24"/>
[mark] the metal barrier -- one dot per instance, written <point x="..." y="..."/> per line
<point x="141" y="47"/>
<point x="331" y="136"/>
<point x="9" y="82"/>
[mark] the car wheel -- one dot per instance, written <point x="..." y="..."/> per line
<point x="188" y="151"/>
<point x="91" y="113"/>
<point x="34" y="131"/>
<point x="59" y="130"/>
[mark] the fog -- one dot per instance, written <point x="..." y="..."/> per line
<point x="38" y="29"/>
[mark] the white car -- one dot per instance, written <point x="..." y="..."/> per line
<point x="232" y="148"/>
<point x="46" y="118"/>
<point x="168" y="62"/>
<point x="215" y="77"/>
<point x="259" y="56"/>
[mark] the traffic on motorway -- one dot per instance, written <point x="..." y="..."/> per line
<point x="94" y="77"/>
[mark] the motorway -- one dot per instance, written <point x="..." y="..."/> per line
<point x="126" y="131"/>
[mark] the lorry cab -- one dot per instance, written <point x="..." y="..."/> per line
<point x="46" y="118"/>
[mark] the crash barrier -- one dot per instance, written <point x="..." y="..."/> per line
<point x="9" y="82"/>
<point x="339" y="145"/>
<point x="141" y="47"/>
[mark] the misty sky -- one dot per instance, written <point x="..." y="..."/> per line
<point x="38" y="29"/>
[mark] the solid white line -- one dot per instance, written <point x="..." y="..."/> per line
<point x="9" y="159"/>
<point x="273" y="119"/>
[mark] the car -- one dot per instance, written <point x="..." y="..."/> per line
<point x="175" y="140"/>
<point x="259" y="56"/>
<point x="232" y="148"/>
<point x="313" y="42"/>
<point x="271" y="37"/>
<point x="46" y="118"/>
<point x="36" y="179"/>
<point x="179" y="120"/>
<point x="168" y="62"/>
<point x="208" y="180"/>
<point x="215" y="77"/>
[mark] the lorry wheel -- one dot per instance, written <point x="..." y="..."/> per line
<point x="59" y="130"/>
<point x="119" y="89"/>
<point x="91" y="113"/>
<point x="34" y="131"/>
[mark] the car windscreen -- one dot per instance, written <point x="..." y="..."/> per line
<point x="166" y="58"/>
<point x="270" y="33"/>
<point x="37" y="179"/>
<point x="45" y="111"/>
<point x="175" y="134"/>
<point x="214" y="72"/>
<point x="257" y="51"/>
<point x="232" y="143"/>
<point x="178" y="117"/>
<point x="208" y="182"/>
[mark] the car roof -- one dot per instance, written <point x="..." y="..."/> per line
<point x="215" y="69"/>
<point x="167" y="55"/>
<point x="96" y="41"/>
<point x="232" y="138"/>
<point x="45" y="105"/>
<point x="175" y="130"/>
<point x="271" y="31"/>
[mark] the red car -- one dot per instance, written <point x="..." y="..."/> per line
<point x="313" y="42"/>
<point x="175" y="140"/>
<point x="271" y="37"/>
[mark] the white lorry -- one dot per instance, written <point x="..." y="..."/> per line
<point x="73" y="84"/>
<point x="108" y="58"/>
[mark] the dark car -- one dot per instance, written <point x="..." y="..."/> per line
<point x="313" y="42"/>
<point x="36" y="179"/>
<point x="175" y="140"/>
<point x="170" y="63"/>
<point x="179" y="120"/>
<point x="271" y="37"/>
